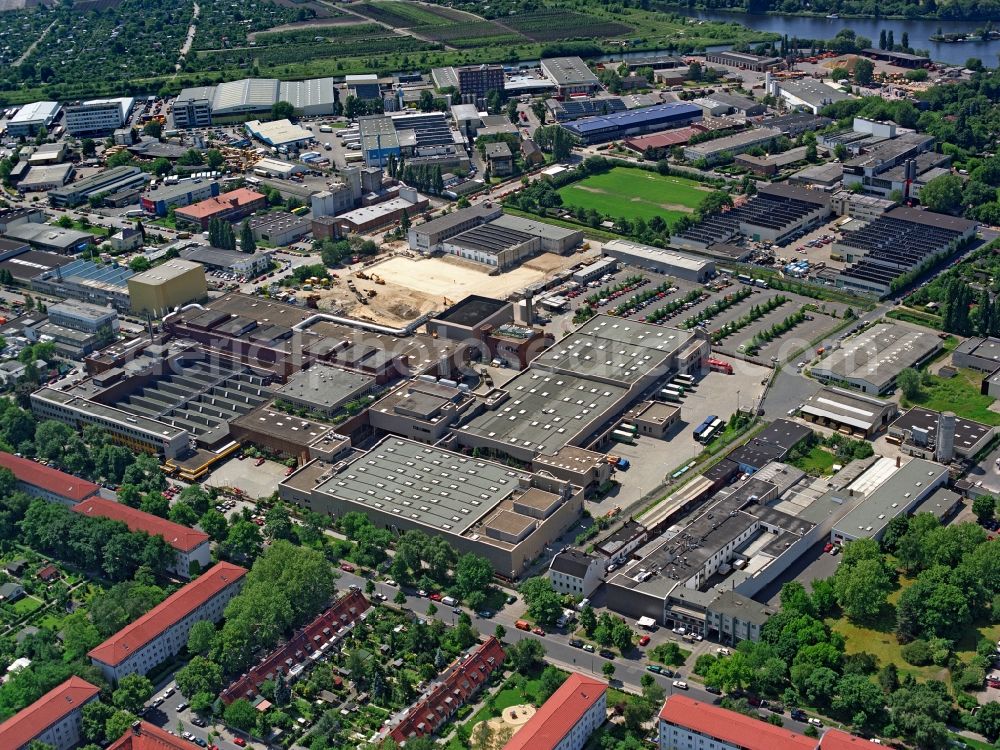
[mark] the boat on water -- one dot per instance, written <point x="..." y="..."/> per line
<point x="833" y="15"/>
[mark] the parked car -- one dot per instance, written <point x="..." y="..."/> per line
<point x="347" y="567"/>
<point x="537" y="630"/>
<point x="680" y="684"/>
<point x="798" y="714"/>
<point x="435" y="597"/>
<point x="713" y="690"/>
<point x="607" y="654"/>
<point x="588" y="648"/>
<point x="815" y="722"/>
<point x="654" y="668"/>
<point x="576" y="643"/>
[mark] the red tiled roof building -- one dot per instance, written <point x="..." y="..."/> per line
<point x="686" y="723"/>
<point x="190" y="544"/>
<point x="144" y="736"/>
<point x="163" y="631"/>
<point x="47" y="483"/>
<point x="463" y="679"/>
<point x="567" y="718"/>
<point x="231" y="206"/>
<point x="53" y="719"/>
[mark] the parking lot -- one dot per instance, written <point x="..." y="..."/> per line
<point x="679" y="305"/>
<point x="255" y="481"/>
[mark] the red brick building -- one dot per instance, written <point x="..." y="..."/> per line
<point x="231" y="206"/>
<point x="463" y="679"/>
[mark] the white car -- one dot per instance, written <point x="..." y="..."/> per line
<point x="815" y="722"/>
<point x="723" y="651"/>
<point x="680" y="685"/>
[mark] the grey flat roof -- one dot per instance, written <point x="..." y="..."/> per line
<point x="741" y="608"/>
<point x="875" y="512"/>
<point x="848" y="408"/>
<point x="967" y="432"/>
<point x="939" y="503"/>
<point x="472" y="310"/>
<point x="569" y="71"/>
<point x="491" y="239"/>
<point x="425" y="485"/>
<point x="214" y="256"/>
<point x="658" y="255"/>
<point x="325" y="385"/>
<point x="446" y="222"/>
<point x="879" y="354"/>
<point x="534" y="227"/>
<point x="183" y="187"/>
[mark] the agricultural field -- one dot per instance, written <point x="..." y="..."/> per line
<point x="635" y="194"/>
<point x="403" y="15"/>
<point x="556" y="25"/>
<point x="470" y="35"/>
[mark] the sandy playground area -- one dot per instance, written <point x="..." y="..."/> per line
<point x="505" y="726"/>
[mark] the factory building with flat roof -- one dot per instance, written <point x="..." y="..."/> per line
<point x="848" y="412"/>
<point x="33" y="117"/>
<point x="106" y="182"/>
<point x="570" y="75"/>
<point x="871" y="360"/>
<point x="655" y="259"/>
<point x="633" y="122"/>
<point x="577" y="387"/>
<point x="198" y="106"/>
<point x="480" y="506"/>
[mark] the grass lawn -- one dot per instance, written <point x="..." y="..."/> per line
<point x="648" y="194"/>
<point x="959" y="394"/>
<point x="817" y="462"/>
<point x="26" y="605"/>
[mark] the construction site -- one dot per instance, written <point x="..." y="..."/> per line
<point x="401" y="288"/>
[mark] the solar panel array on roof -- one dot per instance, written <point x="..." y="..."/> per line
<point x="768" y="210"/>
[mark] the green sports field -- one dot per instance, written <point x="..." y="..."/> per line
<point x="635" y="194"/>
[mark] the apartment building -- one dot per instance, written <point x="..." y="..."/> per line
<point x="687" y="724"/>
<point x="49" y="484"/>
<point x="576" y="573"/>
<point x="161" y="633"/>
<point x="191" y="545"/>
<point x="98" y="116"/>
<point x="567" y="719"/>
<point x="54" y="719"/>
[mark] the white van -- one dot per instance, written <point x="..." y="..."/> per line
<point x="449" y="600"/>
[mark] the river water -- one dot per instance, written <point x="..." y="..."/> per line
<point x="807" y="27"/>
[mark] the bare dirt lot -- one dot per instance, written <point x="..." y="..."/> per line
<point x="415" y="286"/>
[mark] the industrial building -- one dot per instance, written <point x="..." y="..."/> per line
<point x="279" y="133"/>
<point x="426" y="237"/>
<point x="108" y="182"/>
<point x="99" y="284"/>
<point x="369" y="218"/>
<point x="199" y="106"/>
<point x="807" y="93"/>
<point x="875" y="168"/>
<point x="42" y="178"/>
<point x="324" y="389"/>
<point x="279" y="228"/>
<point x="50" y="238"/>
<point x="795" y="124"/>
<point x="743" y="60"/>
<point x="767" y="166"/>
<point x="654" y="259"/>
<point x="567" y="719"/>
<point x="859" y="205"/>
<point x="169" y="285"/>
<point x="230" y="261"/>
<point x="54" y="720"/>
<point x="232" y="206"/>
<point x="162" y="632"/>
<point x="420" y="410"/>
<point x="849" y="412"/>
<point x="871" y="360"/>
<point x="940" y="437"/>
<point x="733" y="145"/>
<point x="639" y="121"/>
<point x="574" y="109"/>
<point x="577" y="387"/>
<point x="570" y="75"/>
<point x="98" y="116"/>
<point x="895" y="244"/>
<point x="422" y="138"/>
<point x="480" y="506"/>
<point x="981" y="354"/>
<point x="161" y="199"/>
<point x="900" y="492"/>
<point x="595" y="270"/>
<point x="31" y="118"/>
<point x="775" y="213"/>
<point x="191" y="546"/>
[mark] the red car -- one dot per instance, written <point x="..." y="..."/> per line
<point x="239" y="741"/>
<point x="347" y="567"/>
<point x="435" y="597"/>
<point x="259" y="461"/>
<point x="827" y="547"/>
<point x="644" y="640"/>
<point x="290" y="471"/>
<point x="537" y="630"/>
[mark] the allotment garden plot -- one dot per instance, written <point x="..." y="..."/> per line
<point x="631" y="194"/>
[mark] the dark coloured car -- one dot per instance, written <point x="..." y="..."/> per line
<point x="576" y="643"/>
<point x="798" y="714"/>
<point x="776" y="708"/>
<point x="713" y="690"/>
<point x="485" y="614"/>
<point x="606" y="653"/>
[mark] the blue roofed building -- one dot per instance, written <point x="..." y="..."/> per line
<point x="603" y="128"/>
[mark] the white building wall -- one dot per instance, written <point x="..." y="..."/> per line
<point x="65" y="733"/>
<point x="678" y="738"/>
<point x="202" y="554"/>
<point x="170" y="642"/>
<point x="577" y="737"/>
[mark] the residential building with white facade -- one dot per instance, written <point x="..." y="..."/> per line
<point x="567" y="719"/>
<point x="162" y="632"/>
<point x="191" y="545"/>
<point x="54" y="719"/>
<point x="576" y="573"/>
<point x="687" y="724"/>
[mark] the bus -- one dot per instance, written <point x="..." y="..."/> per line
<point x="744" y="278"/>
<point x="673" y="390"/>
<point x="684" y="378"/>
<point x="712" y="431"/>
<point x="670" y="396"/>
<point x="677" y="386"/>
<point x="704" y="426"/>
